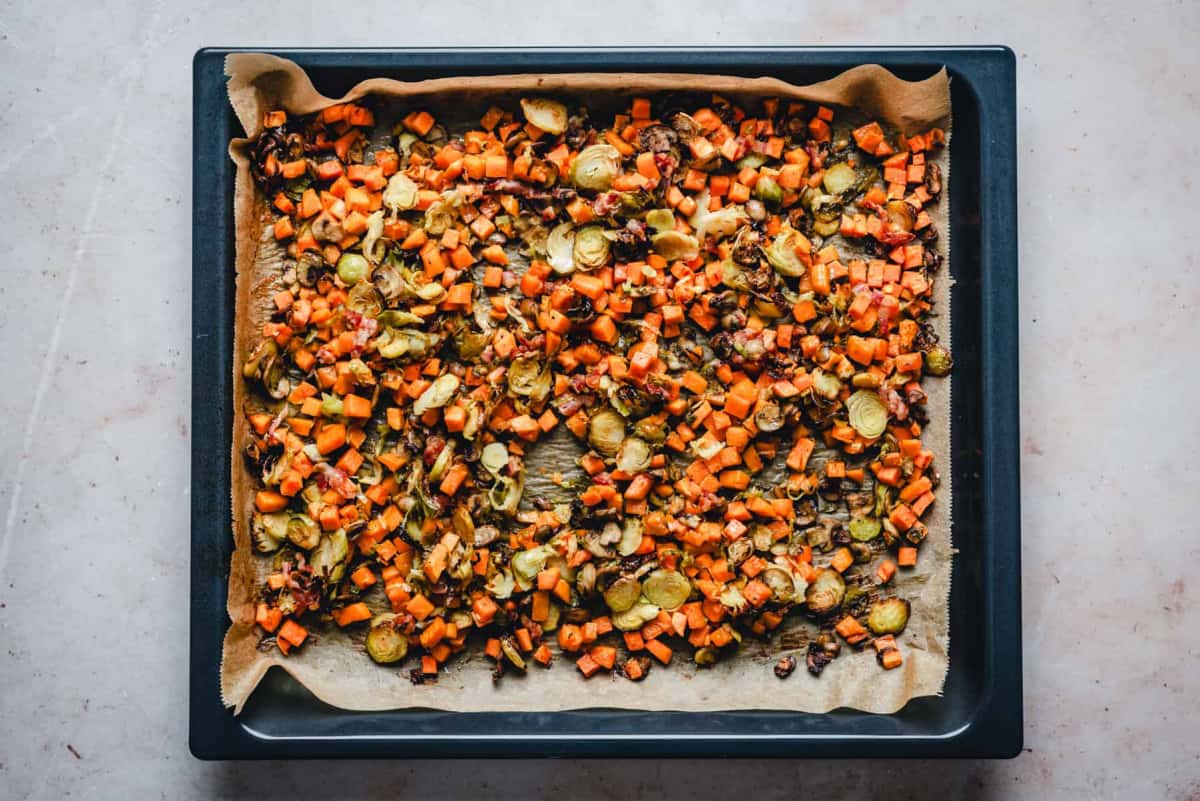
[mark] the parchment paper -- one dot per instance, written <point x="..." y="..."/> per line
<point x="332" y="664"/>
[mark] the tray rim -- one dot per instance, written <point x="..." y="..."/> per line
<point x="995" y="727"/>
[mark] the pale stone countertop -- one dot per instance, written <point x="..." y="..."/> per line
<point x="95" y="114"/>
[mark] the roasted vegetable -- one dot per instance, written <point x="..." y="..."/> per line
<point x="352" y="268"/>
<point x="938" y="361"/>
<point x="868" y="414"/>
<point x="667" y="589"/>
<point x="596" y="167"/>
<point x="825" y="594"/>
<point x="729" y="307"/>
<point x="606" y="432"/>
<point x="623" y="593"/>
<point x="590" y="251"/>
<point x="549" y="115"/>
<point x="888" y="616"/>
<point x="386" y="644"/>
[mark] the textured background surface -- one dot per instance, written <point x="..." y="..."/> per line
<point x="95" y="114"/>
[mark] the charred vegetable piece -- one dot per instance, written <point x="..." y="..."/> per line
<point x="303" y="532"/>
<point x="938" y="361"/>
<point x="785" y="666"/>
<point x="825" y="594"/>
<point x="623" y="594"/>
<point x="269" y="531"/>
<point x="864" y="529"/>
<point x="386" y="644"/>
<point x="888" y="616"/>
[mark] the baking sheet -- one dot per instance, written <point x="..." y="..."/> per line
<point x="333" y="667"/>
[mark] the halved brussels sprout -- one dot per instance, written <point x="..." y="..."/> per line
<point x="591" y="248"/>
<point x="400" y="193"/>
<point x="606" y="432"/>
<point x="635" y="617"/>
<point x="268" y="531"/>
<point x="329" y="558"/>
<point x="631" y="536"/>
<point x="783" y="587"/>
<point x="768" y="190"/>
<point x="826" y="592"/>
<point x="508" y="647"/>
<point x="431" y="292"/>
<point x="390" y="283"/>
<point x="365" y="299"/>
<point x="529" y="378"/>
<point x="733" y="600"/>
<point x="674" y="246"/>
<point x="826" y="384"/>
<point x="762" y="537"/>
<point x="752" y="160"/>
<point x="437" y="395"/>
<point x="372" y="244"/>
<point x="864" y="529"/>
<point x="661" y="219"/>
<point x="866" y="381"/>
<point x="528" y="563"/>
<point x="386" y="644"/>
<point x="396" y="343"/>
<point x="634" y="455"/>
<point x="303" y="532"/>
<point x="900" y="214"/>
<point x="706" y="656"/>
<point x="494" y="457"/>
<point x="352" y="268"/>
<point x="463" y="525"/>
<point x="439" y="217"/>
<point x="706" y="447"/>
<point x="553" y="615"/>
<point x="668" y="589"/>
<point x="442" y="462"/>
<point x="264" y="354"/>
<point x="721" y="223"/>
<point x="888" y="616"/>
<point x="585" y="579"/>
<point x="470" y="344"/>
<point x="501" y="584"/>
<point x="623" y="593"/>
<point x="782" y="254"/>
<point x="767" y="309"/>
<point x="820" y="536"/>
<point x="544" y="113"/>
<point x="596" y="168"/>
<point x="560" y="248"/>
<point x="650" y="430"/>
<point x="505" y="495"/>
<point x="838" y="178"/>
<point x="868" y="414"/>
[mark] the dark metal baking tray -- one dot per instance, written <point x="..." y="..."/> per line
<point x="979" y="714"/>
